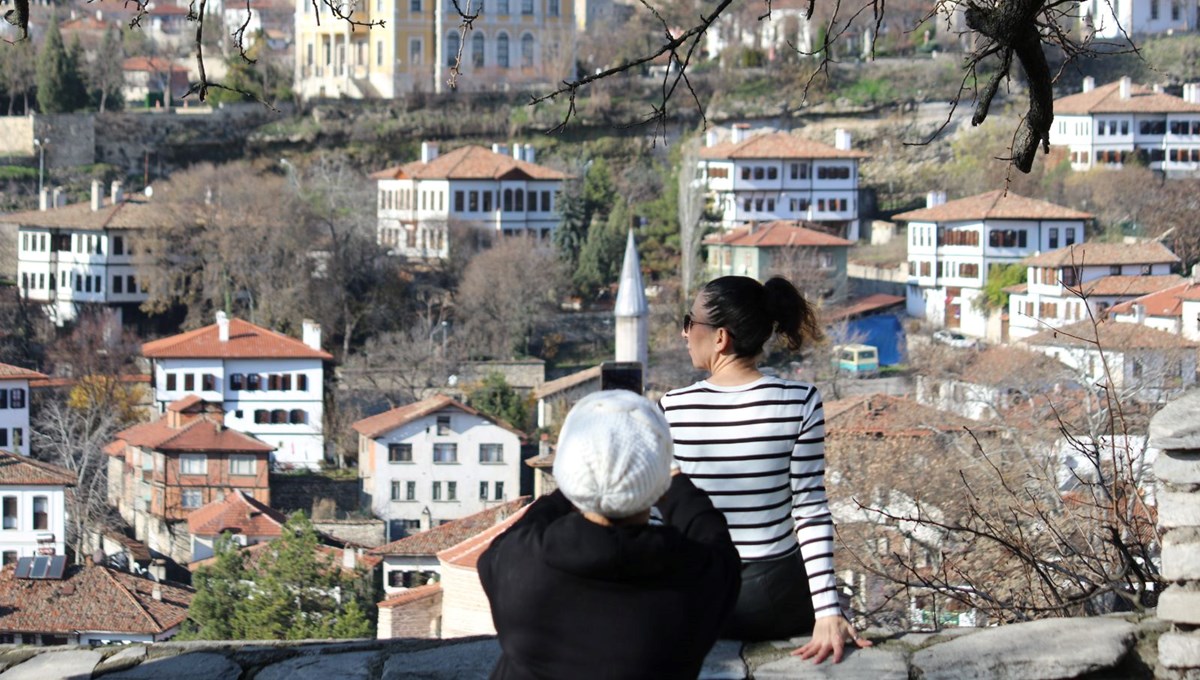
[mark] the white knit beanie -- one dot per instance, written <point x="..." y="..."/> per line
<point x="614" y="454"/>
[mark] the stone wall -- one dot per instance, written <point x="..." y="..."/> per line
<point x="369" y="532"/>
<point x="1175" y="431"/>
<point x="71" y="138"/>
<point x="317" y="495"/>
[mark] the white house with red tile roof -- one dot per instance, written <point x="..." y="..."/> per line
<point x="1145" y="364"/>
<point x="794" y="249"/>
<point x="1122" y="19"/>
<point x="1083" y="280"/>
<point x="1106" y="125"/>
<point x="436" y="460"/>
<point x="145" y="76"/>
<point x="780" y="176"/>
<point x="89" y="604"/>
<point x="952" y="246"/>
<point x="33" y="507"/>
<point x="1173" y="310"/>
<point x="419" y="202"/>
<point x="270" y="386"/>
<point x="993" y="381"/>
<point x="14" y="407"/>
<point x="81" y="254"/>
<point x="249" y="520"/>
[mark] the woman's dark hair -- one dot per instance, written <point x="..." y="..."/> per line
<point x="752" y="312"/>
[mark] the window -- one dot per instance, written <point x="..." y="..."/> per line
<point x="414" y="6"/>
<point x="170" y="381"/>
<point x="253" y="381"/>
<point x="399" y="453"/>
<point x="130" y="284"/>
<point x="483" y="491"/>
<point x="477" y="47"/>
<point x="302" y="382"/>
<point x="758" y="172"/>
<point x="6" y="558"/>
<point x="116" y="285"/>
<point x="240" y="464"/>
<point x="10" y="513"/>
<point x="379" y="53"/>
<point x="87" y="281"/>
<point x="17" y="397"/>
<point x="459" y="201"/>
<point x="273" y="382"/>
<point x="191" y="498"/>
<point x="236" y="381"/>
<point x="18" y="437"/>
<point x="969" y="271"/>
<point x="208" y="382"/>
<point x="189" y="382"/>
<point x="451" y="491"/>
<point x="445" y="453"/>
<point x="437" y="491"/>
<point x="1070" y="236"/>
<point x="526" y="6"/>
<point x="148" y="462"/>
<point x="395" y="490"/>
<point x="527" y="46"/>
<point x="443" y="425"/>
<point x="499" y="491"/>
<point x="193" y="464"/>
<point x="262" y="416"/>
<point x="452" y="41"/>
<point x="410" y="491"/>
<point x="491" y="453"/>
<point x="279" y="417"/>
<point x="1114" y="270"/>
<point x="415" y="51"/>
<point x="552" y="8"/>
<point x="1153" y="10"/>
<point x="745" y="173"/>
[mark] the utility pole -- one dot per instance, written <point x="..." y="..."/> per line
<point x="41" y="145"/>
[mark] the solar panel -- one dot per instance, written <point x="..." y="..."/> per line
<point x="40" y="564"/>
<point x="58" y="564"/>
<point x="23" y="565"/>
<point x="41" y="567"/>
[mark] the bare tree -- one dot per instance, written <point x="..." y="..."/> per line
<point x="691" y="211"/>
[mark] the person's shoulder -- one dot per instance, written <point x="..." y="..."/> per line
<point x="787" y="384"/>
<point x="682" y="392"/>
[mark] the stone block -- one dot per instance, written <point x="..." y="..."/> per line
<point x="1180" y="604"/>
<point x="466" y="661"/>
<point x="194" y="666"/>
<point x="1177" y="425"/>
<point x="68" y="664"/>
<point x="126" y="658"/>
<point x="1176" y="509"/>
<point x="1041" y="650"/>
<point x="350" y="666"/>
<point x="877" y="664"/>
<point x="1179" y="651"/>
<point x="724" y="662"/>
<point x="1178" y="467"/>
<point x="1181" y="555"/>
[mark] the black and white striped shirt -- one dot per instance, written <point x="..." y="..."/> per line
<point x="759" y="451"/>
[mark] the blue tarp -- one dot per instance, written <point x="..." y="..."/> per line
<point x="885" y="332"/>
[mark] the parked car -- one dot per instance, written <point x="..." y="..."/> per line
<point x="955" y="339"/>
<point x="857" y="360"/>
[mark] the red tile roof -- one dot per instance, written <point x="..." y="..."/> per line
<point x="1107" y="99"/>
<point x="154" y="64"/>
<point x="132" y="213"/>
<point x="246" y="341"/>
<point x="1113" y="336"/>
<point x="411" y="595"/>
<point x="8" y="372"/>
<point x="466" y="554"/>
<point x="854" y="308"/>
<point x="1094" y="253"/>
<point x="450" y="534"/>
<point x="777" y="234"/>
<point x="382" y="423"/>
<point x="470" y="162"/>
<point x="237" y="513"/>
<point x="993" y="205"/>
<point x="775" y="145"/>
<point x="890" y="416"/>
<point x="1130" y="285"/>
<point x="566" y="382"/>
<point x="90" y="598"/>
<point x="19" y="470"/>
<point x="199" y="435"/>
<point x="1006" y="365"/>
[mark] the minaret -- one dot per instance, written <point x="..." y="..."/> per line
<point x="631" y="310"/>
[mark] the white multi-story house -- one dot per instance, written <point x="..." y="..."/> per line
<point x="1174" y="310"/>
<point x="436" y="460"/>
<point x="420" y="202"/>
<point x="1107" y="125"/>
<point x="73" y="255"/>
<point x="14" y="407"/>
<point x="1137" y="17"/>
<point x="33" y="507"/>
<point x="1083" y="280"/>
<point x="403" y="46"/>
<point x="269" y="385"/>
<point x="953" y="245"/>
<point x="779" y="176"/>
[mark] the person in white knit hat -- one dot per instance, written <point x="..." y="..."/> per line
<point x="583" y="585"/>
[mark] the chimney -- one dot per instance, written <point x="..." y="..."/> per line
<point x="1196" y="273"/>
<point x="1191" y="93"/>
<point x="1139" y="312"/>
<point x="529" y="153"/>
<point x="740" y="132"/>
<point x="312" y="334"/>
<point x="516" y="150"/>
<point x="97" y="196"/>
<point x="429" y="151"/>
<point x="710" y="137"/>
<point x="118" y="194"/>
<point x="1157" y="87"/>
<point x="156" y="592"/>
<point x="44" y="199"/>
<point x="841" y="140"/>
<point x="158" y="570"/>
<point x="1089" y="84"/>
<point x="349" y="558"/>
<point x="1125" y="86"/>
<point x="499" y="148"/>
<point x="934" y="199"/>
<point x="222" y="327"/>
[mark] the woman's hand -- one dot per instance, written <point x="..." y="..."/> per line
<point x="829" y="637"/>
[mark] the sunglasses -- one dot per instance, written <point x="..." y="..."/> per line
<point x="688" y="322"/>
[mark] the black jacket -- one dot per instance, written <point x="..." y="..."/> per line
<point x="573" y="599"/>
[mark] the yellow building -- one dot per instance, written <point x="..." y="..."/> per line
<point x="511" y="42"/>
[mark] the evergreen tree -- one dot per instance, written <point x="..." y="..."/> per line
<point x="105" y="75"/>
<point x="220" y="590"/>
<point x="18" y="73"/>
<point x="498" y="399"/>
<point x="582" y="204"/>
<point x="60" y="87"/>
<point x="602" y="254"/>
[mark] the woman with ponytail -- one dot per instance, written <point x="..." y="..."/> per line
<point x="756" y="445"/>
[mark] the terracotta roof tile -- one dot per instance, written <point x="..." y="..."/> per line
<point x="246" y="341"/>
<point x="411" y="595"/>
<point x="1107" y="99"/>
<point x="1094" y="253"/>
<point x="466" y="554"/>
<point x="993" y="205"/>
<point x="1112" y="335"/>
<point x="871" y="303"/>
<point x="450" y="534"/>
<point x="19" y="470"/>
<point x="382" y="423"/>
<point x="1130" y="285"/>
<point x="776" y="145"/>
<point x="156" y="64"/>
<point x="90" y="598"/>
<point x="8" y="372"/>
<point x="132" y="213"/>
<point x="1006" y="365"/>
<point x="199" y="435"/>
<point x="890" y="416"/>
<point x="237" y="513"/>
<point x="566" y="382"/>
<point x="777" y="234"/>
<point x="470" y="162"/>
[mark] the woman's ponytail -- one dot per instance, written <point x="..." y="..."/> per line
<point x="795" y="319"/>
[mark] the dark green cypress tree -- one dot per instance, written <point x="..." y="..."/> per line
<point x="60" y="87"/>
